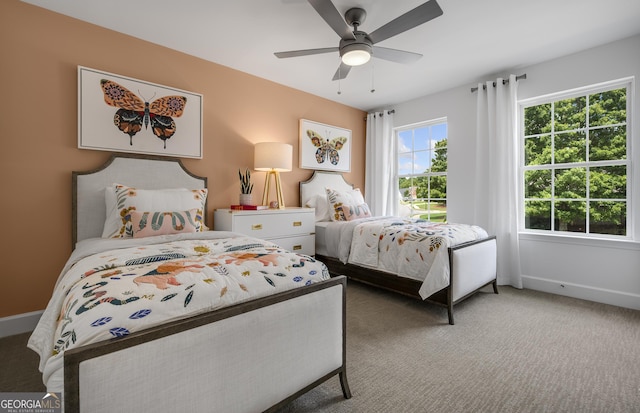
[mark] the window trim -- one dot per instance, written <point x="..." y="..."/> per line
<point x="629" y="162"/>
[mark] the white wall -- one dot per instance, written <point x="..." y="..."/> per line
<point x="597" y="270"/>
<point x="459" y="107"/>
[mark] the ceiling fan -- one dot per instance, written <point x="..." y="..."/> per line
<point x="356" y="47"/>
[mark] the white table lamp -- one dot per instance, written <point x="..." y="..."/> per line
<point x="273" y="157"/>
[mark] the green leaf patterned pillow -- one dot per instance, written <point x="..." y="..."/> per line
<point x="149" y="224"/>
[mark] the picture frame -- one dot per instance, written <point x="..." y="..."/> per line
<point x="123" y="114"/>
<point x="324" y="147"/>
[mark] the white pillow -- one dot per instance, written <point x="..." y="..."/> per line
<point x="346" y="205"/>
<point x="121" y="199"/>
<point x="320" y="203"/>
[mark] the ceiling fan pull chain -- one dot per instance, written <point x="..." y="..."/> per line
<point x="373" y="69"/>
<point x="339" y="77"/>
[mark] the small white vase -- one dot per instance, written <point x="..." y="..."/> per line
<point x="245" y="199"/>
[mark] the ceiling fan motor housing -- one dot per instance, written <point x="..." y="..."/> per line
<point x="361" y="44"/>
<point x="361" y="38"/>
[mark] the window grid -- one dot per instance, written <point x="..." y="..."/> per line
<point x="588" y="165"/>
<point x="420" y="185"/>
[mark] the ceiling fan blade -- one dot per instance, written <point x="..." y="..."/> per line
<point x="332" y="16"/>
<point x="395" y="55"/>
<point x="413" y="18"/>
<point x="307" y="52"/>
<point x="342" y="72"/>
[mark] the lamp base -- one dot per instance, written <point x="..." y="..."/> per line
<point x="267" y="185"/>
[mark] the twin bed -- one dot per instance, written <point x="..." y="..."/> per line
<point x="153" y="312"/>
<point x="439" y="263"/>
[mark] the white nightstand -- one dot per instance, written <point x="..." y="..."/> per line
<point x="290" y="228"/>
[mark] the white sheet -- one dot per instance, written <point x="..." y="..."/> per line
<point x="321" y="244"/>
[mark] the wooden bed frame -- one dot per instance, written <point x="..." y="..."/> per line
<point x="237" y="363"/>
<point x="473" y="265"/>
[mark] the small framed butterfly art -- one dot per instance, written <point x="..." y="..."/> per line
<point x="324" y="147"/>
<point x="122" y="114"/>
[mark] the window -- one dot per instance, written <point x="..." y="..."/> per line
<point x="422" y="170"/>
<point x="575" y="161"/>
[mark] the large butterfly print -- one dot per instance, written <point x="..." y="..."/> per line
<point x="133" y="111"/>
<point x="326" y="148"/>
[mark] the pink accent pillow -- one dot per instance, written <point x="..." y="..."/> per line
<point x="149" y="224"/>
<point x="121" y="200"/>
<point x="352" y="212"/>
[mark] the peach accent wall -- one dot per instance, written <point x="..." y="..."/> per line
<point x="38" y="111"/>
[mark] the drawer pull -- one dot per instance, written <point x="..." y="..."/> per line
<point x="297" y="223"/>
<point x="256" y="227"/>
<point x="297" y="247"/>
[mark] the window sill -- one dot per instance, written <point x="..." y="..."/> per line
<point x="628" y="244"/>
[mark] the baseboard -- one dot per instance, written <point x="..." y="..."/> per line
<point x="599" y="295"/>
<point x="20" y="323"/>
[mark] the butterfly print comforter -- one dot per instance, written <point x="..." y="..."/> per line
<point x="412" y="248"/>
<point x="115" y="292"/>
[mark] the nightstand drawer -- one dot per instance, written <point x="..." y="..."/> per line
<point x="305" y="244"/>
<point x="274" y="225"/>
<point x="291" y="228"/>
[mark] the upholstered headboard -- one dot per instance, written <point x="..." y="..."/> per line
<point x="149" y="172"/>
<point x="318" y="182"/>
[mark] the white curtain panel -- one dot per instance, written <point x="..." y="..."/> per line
<point x="380" y="187"/>
<point x="496" y="173"/>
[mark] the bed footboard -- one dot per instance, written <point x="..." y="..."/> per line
<point x="472" y="267"/>
<point x="251" y="357"/>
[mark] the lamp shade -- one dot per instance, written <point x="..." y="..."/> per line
<point x="272" y="156"/>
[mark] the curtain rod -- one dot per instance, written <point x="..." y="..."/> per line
<point x="504" y="82"/>
<point x="389" y="112"/>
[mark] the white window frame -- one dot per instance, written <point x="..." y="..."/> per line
<point x="627" y="83"/>
<point x="419" y="125"/>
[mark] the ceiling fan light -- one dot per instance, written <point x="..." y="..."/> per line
<point x="356" y="54"/>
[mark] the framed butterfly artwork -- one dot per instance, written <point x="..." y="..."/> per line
<point x="122" y="114"/>
<point x="324" y="147"/>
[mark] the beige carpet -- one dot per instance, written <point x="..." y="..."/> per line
<point x="519" y="351"/>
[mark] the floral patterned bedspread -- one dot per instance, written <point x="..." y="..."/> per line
<point x="116" y="292"/>
<point x="411" y="248"/>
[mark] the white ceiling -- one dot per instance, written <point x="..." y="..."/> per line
<point x="471" y="40"/>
